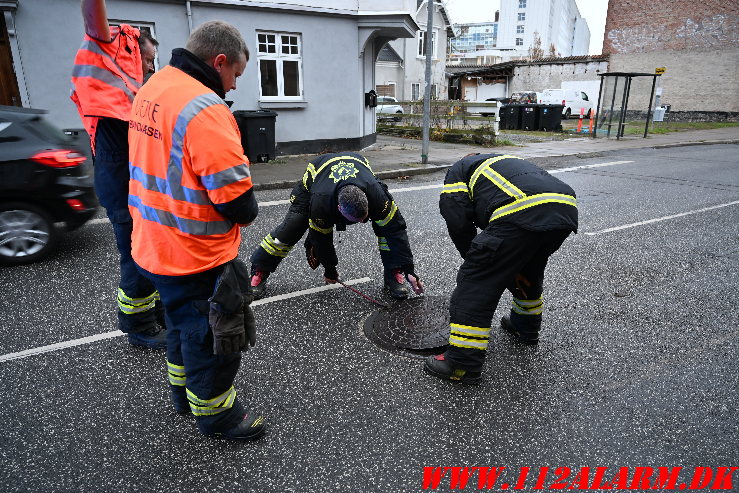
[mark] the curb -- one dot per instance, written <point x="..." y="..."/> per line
<point x="700" y="143"/>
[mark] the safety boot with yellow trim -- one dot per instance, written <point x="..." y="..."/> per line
<point x="439" y="367"/>
<point x="529" y="338"/>
<point x="250" y="428"/>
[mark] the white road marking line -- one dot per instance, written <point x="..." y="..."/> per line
<point x="658" y="219"/>
<point x="271" y="203"/>
<point x="586" y="166"/>
<point x="109" y="335"/>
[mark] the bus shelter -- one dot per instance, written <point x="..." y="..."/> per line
<point x="625" y="98"/>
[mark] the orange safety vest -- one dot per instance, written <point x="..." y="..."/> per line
<point x="106" y="77"/>
<point x="185" y="155"/>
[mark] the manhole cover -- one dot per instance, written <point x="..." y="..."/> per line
<point x="415" y="328"/>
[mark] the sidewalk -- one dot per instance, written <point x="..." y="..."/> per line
<point x="391" y="157"/>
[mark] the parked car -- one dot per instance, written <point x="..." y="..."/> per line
<point x="388" y="105"/>
<point x="502" y="102"/>
<point x="525" y="97"/>
<point x="43" y="182"/>
<point x="572" y="101"/>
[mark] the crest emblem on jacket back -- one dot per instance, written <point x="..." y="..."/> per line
<point x="342" y="171"/>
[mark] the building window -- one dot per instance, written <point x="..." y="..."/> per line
<point x="422" y="44"/>
<point x="415" y="92"/>
<point x="280" y="66"/>
<point x="521" y="4"/>
<point x="519" y="29"/>
<point x="521" y="16"/>
<point x="519" y="41"/>
<point x="434" y="91"/>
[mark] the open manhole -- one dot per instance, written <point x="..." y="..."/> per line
<point x="416" y="328"/>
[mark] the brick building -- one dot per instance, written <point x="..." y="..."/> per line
<point x="697" y="43"/>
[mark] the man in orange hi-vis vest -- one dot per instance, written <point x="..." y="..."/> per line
<point x="190" y="190"/>
<point x="108" y="71"/>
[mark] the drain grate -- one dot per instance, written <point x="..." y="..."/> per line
<point x="415" y="328"/>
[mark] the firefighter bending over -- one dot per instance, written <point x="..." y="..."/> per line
<point x="338" y="190"/>
<point x="525" y="214"/>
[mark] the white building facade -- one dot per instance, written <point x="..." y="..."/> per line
<point x="558" y="23"/>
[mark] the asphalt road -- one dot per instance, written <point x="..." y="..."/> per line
<point x="637" y="364"/>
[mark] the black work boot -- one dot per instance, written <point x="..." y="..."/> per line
<point x="529" y="338"/>
<point x="395" y="284"/>
<point x="153" y="338"/>
<point x="258" y="283"/>
<point x="439" y="367"/>
<point x="250" y="428"/>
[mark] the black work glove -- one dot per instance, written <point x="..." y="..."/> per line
<point x="226" y="313"/>
<point x="310" y="256"/>
<point x="413" y="279"/>
<point x="331" y="274"/>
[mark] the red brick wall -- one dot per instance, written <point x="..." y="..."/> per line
<point x="642" y="26"/>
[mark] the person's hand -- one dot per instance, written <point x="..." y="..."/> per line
<point x="413" y="279"/>
<point x="310" y="256"/>
<point x="330" y="275"/>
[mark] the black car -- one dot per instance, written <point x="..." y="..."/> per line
<point x="43" y="182"/>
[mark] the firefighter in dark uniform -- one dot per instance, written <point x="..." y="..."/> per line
<point x="338" y="190"/>
<point x="525" y="214"/>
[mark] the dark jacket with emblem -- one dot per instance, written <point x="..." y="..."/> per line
<point x="472" y="196"/>
<point x="321" y="183"/>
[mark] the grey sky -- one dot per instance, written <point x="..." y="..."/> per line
<point x="594" y="12"/>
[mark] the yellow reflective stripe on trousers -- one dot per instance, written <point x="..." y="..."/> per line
<point x="319" y="229"/>
<point x="389" y="217"/>
<point x="483" y="166"/>
<point x="528" y="307"/>
<point x="176" y="374"/>
<point x="130" y="306"/>
<point x="203" y="407"/>
<point x="531" y="201"/>
<point x="275" y="247"/>
<point x="382" y="243"/>
<point x="467" y="336"/>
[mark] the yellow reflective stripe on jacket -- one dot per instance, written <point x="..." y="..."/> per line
<point x="208" y="407"/>
<point x="389" y="217"/>
<point x="483" y="166"/>
<point x="176" y="374"/>
<point x="333" y="159"/>
<point x="460" y="186"/>
<point x="319" y="229"/>
<point x="505" y="185"/>
<point x="531" y="201"/>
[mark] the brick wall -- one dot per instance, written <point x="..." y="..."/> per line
<point x="640" y="26"/>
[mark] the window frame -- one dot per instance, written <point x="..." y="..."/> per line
<point x="415" y="88"/>
<point x="520" y="29"/>
<point x="521" y="4"/>
<point x="421" y="48"/>
<point x="517" y="41"/>
<point x="522" y="17"/>
<point x="279" y="58"/>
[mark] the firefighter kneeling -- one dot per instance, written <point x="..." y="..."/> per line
<point x="525" y="215"/>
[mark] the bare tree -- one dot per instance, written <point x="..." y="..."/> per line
<point x="552" y="50"/>
<point x="535" y="50"/>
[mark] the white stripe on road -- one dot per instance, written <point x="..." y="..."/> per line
<point x="587" y="166"/>
<point x="658" y="219"/>
<point x="109" y="335"/>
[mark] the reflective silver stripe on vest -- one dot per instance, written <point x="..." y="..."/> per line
<point x="531" y="201"/>
<point x="156" y="184"/>
<point x="190" y="111"/>
<point x="93" y="47"/>
<point x="226" y="177"/>
<point x="188" y="226"/>
<point x="102" y="75"/>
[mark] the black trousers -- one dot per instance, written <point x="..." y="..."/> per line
<point x="503" y="256"/>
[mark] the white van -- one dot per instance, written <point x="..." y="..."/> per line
<point x="570" y="99"/>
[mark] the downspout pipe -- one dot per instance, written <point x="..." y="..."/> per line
<point x="188" y="8"/>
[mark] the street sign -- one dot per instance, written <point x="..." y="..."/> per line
<point x="660" y="70"/>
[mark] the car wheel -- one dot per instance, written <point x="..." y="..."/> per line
<point x="567" y="114"/>
<point x="27" y="233"/>
<point x="397" y="118"/>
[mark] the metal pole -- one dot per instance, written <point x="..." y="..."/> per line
<point x="625" y="105"/>
<point x="622" y="116"/>
<point x="613" y="101"/>
<point x="649" y="110"/>
<point x="427" y="92"/>
<point x="597" y="111"/>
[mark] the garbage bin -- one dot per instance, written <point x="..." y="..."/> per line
<point x="513" y="117"/>
<point x="530" y="117"/>
<point x="503" y="115"/>
<point x="550" y="117"/>
<point x="257" y="134"/>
